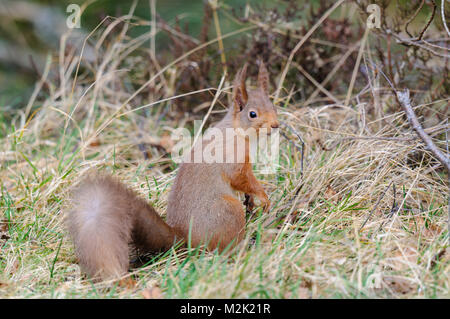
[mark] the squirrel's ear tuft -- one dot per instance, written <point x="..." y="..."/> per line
<point x="263" y="77"/>
<point x="240" y="96"/>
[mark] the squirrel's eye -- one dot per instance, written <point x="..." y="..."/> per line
<point x="252" y="114"/>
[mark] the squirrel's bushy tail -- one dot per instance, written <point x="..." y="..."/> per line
<point x="105" y="217"/>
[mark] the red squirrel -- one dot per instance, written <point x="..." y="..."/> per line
<point x="106" y="216"/>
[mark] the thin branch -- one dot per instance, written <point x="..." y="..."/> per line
<point x="412" y="42"/>
<point x="429" y="21"/>
<point x="413" y="17"/>
<point x="405" y="102"/>
<point x="403" y="98"/>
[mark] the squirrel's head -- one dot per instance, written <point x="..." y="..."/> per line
<point x="253" y="108"/>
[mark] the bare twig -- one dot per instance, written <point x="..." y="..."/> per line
<point x="403" y="98"/>
<point x="412" y="42"/>
<point x="413" y="17"/>
<point x="429" y="21"/>
<point x="405" y="102"/>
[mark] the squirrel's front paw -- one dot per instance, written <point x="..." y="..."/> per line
<point x="266" y="206"/>
<point x="265" y="202"/>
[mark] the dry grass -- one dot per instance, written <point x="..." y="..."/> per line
<point x="358" y="166"/>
